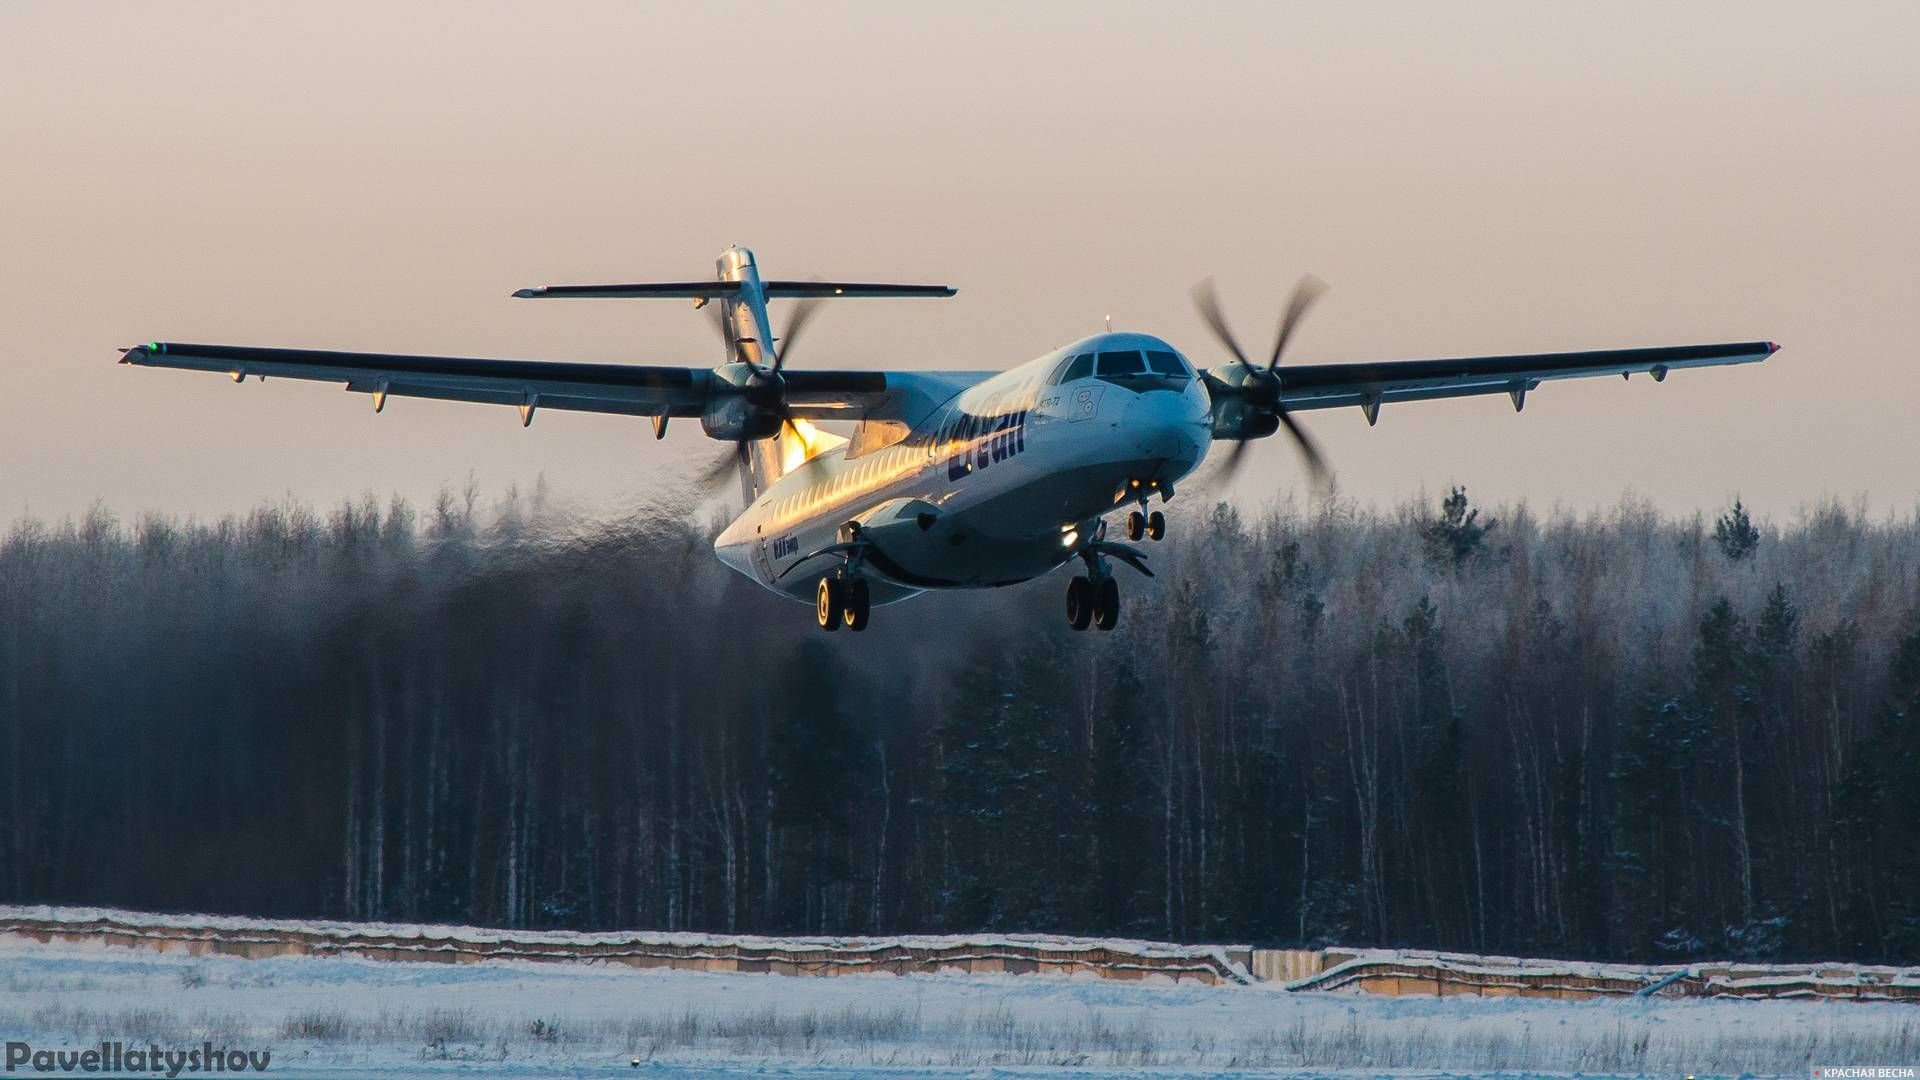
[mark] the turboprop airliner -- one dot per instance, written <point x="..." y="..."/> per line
<point x="947" y="479"/>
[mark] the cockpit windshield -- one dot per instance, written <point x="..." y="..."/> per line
<point x="1077" y="368"/>
<point x="1167" y="363"/>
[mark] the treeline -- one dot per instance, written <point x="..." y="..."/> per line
<point x="1612" y="735"/>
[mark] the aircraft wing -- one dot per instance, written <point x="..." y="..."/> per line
<point x="1327" y="386"/>
<point x="628" y="389"/>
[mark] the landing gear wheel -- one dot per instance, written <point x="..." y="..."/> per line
<point x="1156" y="525"/>
<point x="1106" y="605"/>
<point x="857" y="605"/>
<point x="1137" y="525"/>
<point x="1079" y="603"/>
<point x="829" y="603"/>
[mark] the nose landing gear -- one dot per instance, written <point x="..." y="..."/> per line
<point x="1152" y="525"/>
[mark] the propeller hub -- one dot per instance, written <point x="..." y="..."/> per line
<point x="765" y="388"/>
<point x="1262" y="411"/>
<point x="1261" y="389"/>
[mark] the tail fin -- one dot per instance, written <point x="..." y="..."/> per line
<point x="742" y="295"/>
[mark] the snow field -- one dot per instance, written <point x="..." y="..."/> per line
<point x="338" y="1015"/>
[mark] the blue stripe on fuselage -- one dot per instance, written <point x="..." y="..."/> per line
<point x="1006" y="435"/>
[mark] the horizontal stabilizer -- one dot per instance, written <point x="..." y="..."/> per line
<point x="714" y="290"/>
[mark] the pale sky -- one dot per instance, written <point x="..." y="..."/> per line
<point x="1481" y="178"/>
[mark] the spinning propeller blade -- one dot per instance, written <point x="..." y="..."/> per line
<point x="1260" y="389"/>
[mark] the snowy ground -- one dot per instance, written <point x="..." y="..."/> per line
<point x="335" y="1017"/>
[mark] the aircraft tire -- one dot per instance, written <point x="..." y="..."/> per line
<point x="1079" y="603"/>
<point x="1156" y="525"/>
<point x="1136" y="525"/>
<point x="858" y="606"/>
<point x="1106" y="607"/>
<point x="830" y="603"/>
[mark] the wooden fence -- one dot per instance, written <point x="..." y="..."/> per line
<point x="1372" y="971"/>
<point x="259" y="938"/>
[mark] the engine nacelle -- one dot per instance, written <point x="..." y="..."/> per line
<point x="1235" y="418"/>
<point x="734" y="418"/>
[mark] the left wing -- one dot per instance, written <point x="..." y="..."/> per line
<point x="1326" y="386"/>
<point x="609" y="388"/>
<point x="627" y="389"/>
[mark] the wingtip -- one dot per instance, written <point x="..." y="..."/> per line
<point x="1772" y="347"/>
<point x="526" y="294"/>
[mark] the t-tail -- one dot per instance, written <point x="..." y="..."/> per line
<point x="756" y="418"/>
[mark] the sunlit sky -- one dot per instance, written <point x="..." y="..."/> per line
<point x="1483" y="178"/>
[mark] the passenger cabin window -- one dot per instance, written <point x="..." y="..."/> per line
<point x="1121" y="363"/>
<point x="1165" y="363"/>
<point x="1077" y="368"/>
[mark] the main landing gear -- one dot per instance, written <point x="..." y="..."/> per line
<point x="1152" y="525"/>
<point x="842" y="599"/>
<point x="1093" y="602"/>
<point x="1094" y="598"/>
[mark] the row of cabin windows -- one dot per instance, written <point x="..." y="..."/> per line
<point x="859" y="475"/>
<point x="1122" y="363"/>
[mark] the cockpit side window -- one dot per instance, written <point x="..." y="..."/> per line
<point x="1166" y="363"/>
<point x="1077" y="368"/>
<point x="1121" y="363"/>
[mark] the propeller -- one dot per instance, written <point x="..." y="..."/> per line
<point x="1260" y="387"/>
<point x="766" y="390"/>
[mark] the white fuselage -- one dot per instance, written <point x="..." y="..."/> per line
<point x="1000" y="484"/>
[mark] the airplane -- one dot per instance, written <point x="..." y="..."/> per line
<point x="949" y="479"/>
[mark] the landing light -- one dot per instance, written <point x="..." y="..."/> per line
<point x="1070" y="538"/>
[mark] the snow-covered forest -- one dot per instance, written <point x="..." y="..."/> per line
<point x="1612" y="735"/>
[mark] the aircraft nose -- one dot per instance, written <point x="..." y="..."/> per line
<point x="1168" y="426"/>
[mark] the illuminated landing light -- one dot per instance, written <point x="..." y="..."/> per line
<point x="1069" y="538"/>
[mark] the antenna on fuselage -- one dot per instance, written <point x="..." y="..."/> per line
<point x="1109" y="322"/>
